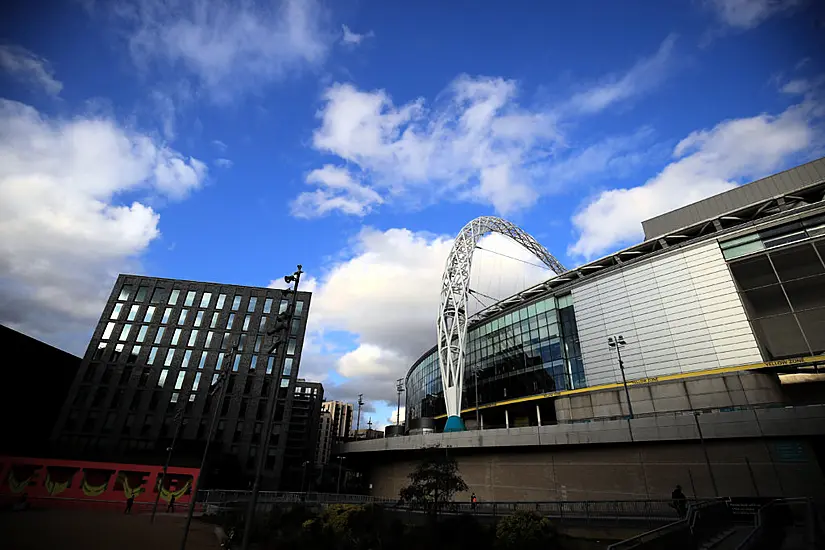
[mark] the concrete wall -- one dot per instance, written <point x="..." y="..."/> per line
<point x="640" y="471"/>
<point x="706" y="392"/>
<point x="678" y="312"/>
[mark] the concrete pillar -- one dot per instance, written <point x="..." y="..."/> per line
<point x="506" y="419"/>
<point x="538" y="415"/>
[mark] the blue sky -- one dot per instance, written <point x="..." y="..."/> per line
<point x="228" y="141"/>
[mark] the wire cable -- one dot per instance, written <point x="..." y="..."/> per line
<point x="542" y="266"/>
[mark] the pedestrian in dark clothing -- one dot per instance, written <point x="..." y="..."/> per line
<point x="679" y="501"/>
<point x="171" y="506"/>
<point x="129" y="502"/>
<point x="474" y="501"/>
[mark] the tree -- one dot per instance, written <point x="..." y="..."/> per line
<point x="525" y="531"/>
<point x="433" y="483"/>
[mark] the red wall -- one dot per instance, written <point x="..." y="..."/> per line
<point x="15" y="470"/>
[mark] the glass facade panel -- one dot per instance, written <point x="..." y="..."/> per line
<point x="198" y="318"/>
<point x="125" y="292"/>
<point x="236" y="302"/>
<point x="182" y="316"/>
<point x="190" y="298"/>
<point x="124" y="334"/>
<point x="253" y="301"/>
<point x="193" y="337"/>
<point x="150" y="312"/>
<point x="205" y="299"/>
<point x="221" y="301"/>
<point x="116" y="312"/>
<point x="133" y="311"/>
<point x="107" y="332"/>
<point x="187" y="356"/>
<point x="173" y="297"/>
<point x="268" y="305"/>
<point x="142" y="333"/>
<point x="167" y="313"/>
<point x="159" y="335"/>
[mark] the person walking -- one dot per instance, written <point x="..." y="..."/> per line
<point x="129" y="502"/>
<point x="171" y="506"/>
<point x="679" y="501"/>
<point x="474" y="501"/>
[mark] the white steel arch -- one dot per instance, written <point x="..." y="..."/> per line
<point x="455" y="286"/>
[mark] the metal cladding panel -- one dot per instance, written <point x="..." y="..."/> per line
<point x="739" y="197"/>
<point x="678" y="313"/>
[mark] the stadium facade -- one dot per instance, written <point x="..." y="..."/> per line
<point x="729" y="286"/>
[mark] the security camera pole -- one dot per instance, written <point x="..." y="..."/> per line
<point x="280" y="338"/>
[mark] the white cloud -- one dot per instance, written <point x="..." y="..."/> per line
<point x="642" y="77"/>
<point x="219" y="145"/>
<point x="228" y="47"/>
<point x="29" y="68"/>
<point x="224" y="163"/>
<point x="337" y="190"/>
<point x="353" y="38"/>
<point x="386" y="295"/>
<point x="747" y="14"/>
<point x="707" y="162"/>
<point x="66" y="225"/>
<point x="475" y="141"/>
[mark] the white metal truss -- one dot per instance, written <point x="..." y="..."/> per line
<point x="455" y="286"/>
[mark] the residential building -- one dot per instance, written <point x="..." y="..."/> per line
<point x="302" y="440"/>
<point x="324" y="448"/>
<point x="341" y="419"/>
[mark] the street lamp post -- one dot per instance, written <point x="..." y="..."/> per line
<point x="399" y="386"/>
<point x="219" y="386"/>
<point x="340" y="469"/>
<point x="169" y="450"/>
<point x="478" y="420"/>
<point x="617" y="342"/>
<point x="280" y="332"/>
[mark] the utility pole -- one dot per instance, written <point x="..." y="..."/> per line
<point x="358" y="422"/>
<point x="399" y="386"/>
<point x="280" y="337"/>
<point x="169" y="450"/>
<point x="219" y="385"/>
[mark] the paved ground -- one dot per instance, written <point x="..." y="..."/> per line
<point x="99" y="530"/>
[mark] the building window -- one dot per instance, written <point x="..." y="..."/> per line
<point x="225" y="340"/>
<point x="99" y="351"/>
<point x="176" y="336"/>
<point x="237" y="363"/>
<point x="282" y="306"/>
<point x="182" y="316"/>
<point x="299" y="308"/>
<point x="246" y="322"/>
<point x="173" y="297"/>
<point x="202" y="361"/>
<point x="254" y="362"/>
<point x="162" y="379"/>
<point x="124" y="334"/>
<point x="167" y="313"/>
<point x="258" y="340"/>
<point x="236" y="302"/>
<point x="190" y="298"/>
<point x="116" y="353"/>
<point x="197" y="381"/>
<point x="141" y="293"/>
<point x="142" y="334"/>
<point x="179" y="381"/>
<point x="144" y="377"/>
<point x="116" y="312"/>
<point x="209" y="336"/>
<point x="268" y="305"/>
<point x="150" y="312"/>
<point x="230" y="320"/>
<point x="125" y="291"/>
<point x="157" y="296"/>
<point x="187" y="356"/>
<point x="214" y="322"/>
<point x="159" y="335"/>
<point x="133" y="355"/>
<point x="296" y="324"/>
<point x="198" y="318"/>
<point x="288" y="366"/>
<point x="133" y="311"/>
<point x="152" y="354"/>
<point x="221" y="301"/>
<point x="242" y="342"/>
<point x="205" y="299"/>
<point x="290" y="348"/>
<point x="107" y="332"/>
<point x="253" y="302"/>
<point x="219" y="362"/>
<point x="193" y="337"/>
<point x="170" y="354"/>
<point x="262" y="324"/>
<point x="270" y="362"/>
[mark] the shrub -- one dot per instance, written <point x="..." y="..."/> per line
<point x="525" y="531"/>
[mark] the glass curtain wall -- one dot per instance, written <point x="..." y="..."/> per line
<point x="529" y="351"/>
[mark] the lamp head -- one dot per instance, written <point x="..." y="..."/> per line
<point x="289" y="278"/>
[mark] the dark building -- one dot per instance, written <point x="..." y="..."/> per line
<point x="32" y="392"/>
<point x="159" y="347"/>
<point x="302" y="439"/>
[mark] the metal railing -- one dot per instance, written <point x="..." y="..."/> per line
<point x="794" y="517"/>
<point x="703" y="519"/>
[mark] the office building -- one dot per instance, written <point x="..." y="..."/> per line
<point x="341" y="419"/>
<point x="158" y="348"/>
<point x="304" y="430"/>
<point x="324" y="448"/>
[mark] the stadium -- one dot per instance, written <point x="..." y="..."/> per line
<point x="729" y="291"/>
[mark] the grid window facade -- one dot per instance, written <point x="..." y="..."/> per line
<point x="135" y="363"/>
